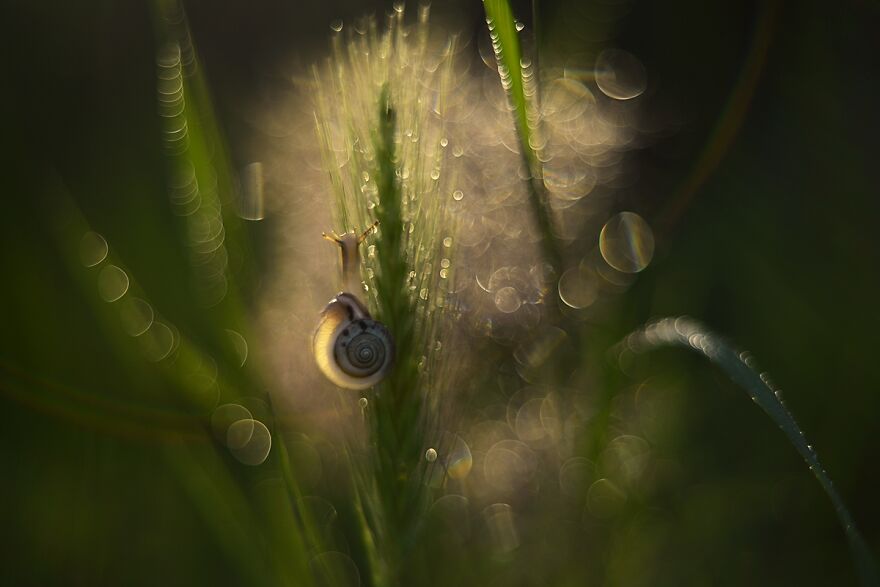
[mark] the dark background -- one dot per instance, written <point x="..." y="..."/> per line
<point x="776" y="249"/>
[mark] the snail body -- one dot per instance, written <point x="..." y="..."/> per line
<point x="351" y="349"/>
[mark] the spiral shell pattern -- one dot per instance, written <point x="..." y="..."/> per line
<point x="360" y="348"/>
<point x="351" y="349"/>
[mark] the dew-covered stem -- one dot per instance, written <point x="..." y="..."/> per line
<point x="505" y="42"/>
<point x="739" y="366"/>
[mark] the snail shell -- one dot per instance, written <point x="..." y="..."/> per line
<point x="352" y="350"/>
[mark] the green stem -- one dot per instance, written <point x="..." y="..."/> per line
<point x="505" y="41"/>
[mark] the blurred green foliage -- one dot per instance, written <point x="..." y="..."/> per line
<point x="777" y="250"/>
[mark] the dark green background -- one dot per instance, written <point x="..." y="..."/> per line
<point x="777" y="250"/>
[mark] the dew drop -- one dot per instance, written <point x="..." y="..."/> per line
<point x="249" y="448"/>
<point x="157" y="342"/>
<point x="605" y="499"/>
<point x="224" y="417"/>
<point x="507" y="300"/>
<point x="620" y="75"/>
<point x="239" y="345"/>
<point x="239" y="433"/>
<point x="136" y="316"/>
<point x="578" y="288"/>
<point x="627" y="242"/>
<point x="92" y="249"/>
<point x="250" y="204"/>
<point x="502" y="527"/>
<point x="112" y="283"/>
<point x="460" y="460"/>
<point x="430" y="455"/>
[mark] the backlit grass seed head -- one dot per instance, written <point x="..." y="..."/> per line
<point x="468" y="244"/>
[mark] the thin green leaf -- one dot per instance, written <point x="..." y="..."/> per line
<point x="505" y="42"/>
<point x="738" y="366"/>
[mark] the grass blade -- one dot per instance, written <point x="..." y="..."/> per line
<point x="738" y="366"/>
<point x="520" y="85"/>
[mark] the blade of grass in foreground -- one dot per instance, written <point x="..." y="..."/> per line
<point x="511" y="68"/>
<point x="232" y="507"/>
<point x="738" y="366"/>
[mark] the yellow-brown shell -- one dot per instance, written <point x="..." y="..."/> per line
<point x="351" y="349"/>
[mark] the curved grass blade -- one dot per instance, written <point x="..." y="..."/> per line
<point x="739" y="366"/>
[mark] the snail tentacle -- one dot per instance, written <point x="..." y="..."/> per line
<point x="351" y="349"/>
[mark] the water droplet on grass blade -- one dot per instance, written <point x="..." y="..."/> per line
<point x="578" y="288"/>
<point x="157" y="342"/>
<point x="250" y="204"/>
<point x="112" y="283"/>
<point x="502" y="527"/>
<point x="136" y="316"/>
<point x="239" y="345"/>
<point x="528" y="425"/>
<point x="239" y="433"/>
<point x="605" y="499"/>
<point x="620" y="75"/>
<point x="459" y="460"/>
<point x="509" y="465"/>
<point x="627" y="242"/>
<point x="92" y="249"/>
<point x="565" y="100"/>
<point x="255" y="449"/>
<point x="507" y="300"/>
<point x="224" y="417"/>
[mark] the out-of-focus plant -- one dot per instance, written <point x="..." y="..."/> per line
<point x="483" y="299"/>
<point x="393" y="169"/>
<point x="515" y="80"/>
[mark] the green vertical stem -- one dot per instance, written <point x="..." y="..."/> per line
<point x="505" y="41"/>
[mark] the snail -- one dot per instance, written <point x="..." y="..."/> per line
<point x="351" y="349"/>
